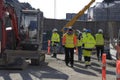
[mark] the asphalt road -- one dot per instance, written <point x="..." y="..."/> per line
<point x="55" y="69"/>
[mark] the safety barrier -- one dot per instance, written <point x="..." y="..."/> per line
<point x="118" y="70"/>
<point x="103" y="66"/>
<point x="48" y="51"/>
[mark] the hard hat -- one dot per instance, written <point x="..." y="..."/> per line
<point x="78" y="32"/>
<point x="88" y="31"/>
<point x="84" y="29"/>
<point x="70" y="30"/>
<point x="100" y="30"/>
<point x="65" y="29"/>
<point x="54" y="30"/>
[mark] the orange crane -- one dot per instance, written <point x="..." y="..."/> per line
<point x="80" y="13"/>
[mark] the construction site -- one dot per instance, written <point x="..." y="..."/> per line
<point x="26" y="43"/>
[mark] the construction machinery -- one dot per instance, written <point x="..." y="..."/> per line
<point x="18" y="44"/>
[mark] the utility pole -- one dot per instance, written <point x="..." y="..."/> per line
<point x="54" y="13"/>
<point x="54" y="9"/>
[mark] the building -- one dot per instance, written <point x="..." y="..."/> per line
<point x="104" y="12"/>
<point x="69" y="16"/>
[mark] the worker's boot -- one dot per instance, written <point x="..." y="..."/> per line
<point x="55" y="55"/>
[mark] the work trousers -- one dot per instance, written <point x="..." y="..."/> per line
<point x="87" y="60"/>
<point x="55" y="49"/>
<point x="79" y="53"/>
<point x="69" y="55"/>
<point x="100" y="50"/>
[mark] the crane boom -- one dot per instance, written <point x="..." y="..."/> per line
<point x="80" y="13"/>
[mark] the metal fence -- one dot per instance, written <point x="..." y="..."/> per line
<point x="110" y="28"/>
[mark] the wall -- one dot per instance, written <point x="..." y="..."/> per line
<point x="49" y="24"/>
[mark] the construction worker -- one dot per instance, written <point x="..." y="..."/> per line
<point x="79" y="44"/>
<point x="88" y="45"/>
<point x="117" y="47"/>
<point x="55" y="39"/>
<point x="99" y="43"/>
<point x="69" y="40"/>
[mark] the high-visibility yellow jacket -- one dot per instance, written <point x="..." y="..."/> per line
<point x="69" y="41"/>
<point x="55" y="37"/>
<point x="99" y="39"/>
<point x="79" y="42"/>
<point x="89" y="41"/>
<point x="84" y="34"/>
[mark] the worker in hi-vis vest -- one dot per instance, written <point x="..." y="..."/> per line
<point x="79" y="44"/>
<point x="69" y="41"/>
<point x="99" y="43"/>
<point x="88" y="45"/>
<point x="55" y="39"/>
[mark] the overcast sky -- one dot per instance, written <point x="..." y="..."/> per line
<point x="62" y="7"/>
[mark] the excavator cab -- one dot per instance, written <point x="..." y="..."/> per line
<point x="31" y="29"/>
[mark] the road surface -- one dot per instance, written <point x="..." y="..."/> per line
<point x="55" y="69"/>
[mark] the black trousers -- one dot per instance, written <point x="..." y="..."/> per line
<point x="86" y="58"/>
<point x="100" y="50"/>
<point x="69" y="55"/>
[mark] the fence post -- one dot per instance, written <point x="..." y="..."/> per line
<point x="48" y="51"/>
<point x="103" y="66"/>
<point x="118" y="70"/>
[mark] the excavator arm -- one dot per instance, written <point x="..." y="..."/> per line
<point x="6" y="10"/>
<point x="80" y="13"/>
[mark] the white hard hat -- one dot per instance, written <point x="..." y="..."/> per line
<point x="100" y="30"/>
<point x="84" y="29"/>
<point x="78" y="31"/>
<point x="54" y="30"/>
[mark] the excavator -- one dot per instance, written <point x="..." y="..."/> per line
<point x="18" y="44"/>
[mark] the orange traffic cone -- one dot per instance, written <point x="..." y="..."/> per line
<point x="118" y="70"/>
<point x="48" y="52"/>
<point x="103" y="66"/>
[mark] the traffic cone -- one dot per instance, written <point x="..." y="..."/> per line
<point x="103" y="66"/>
<point x="48" y="51"/>
<point x="118" y="70"/>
